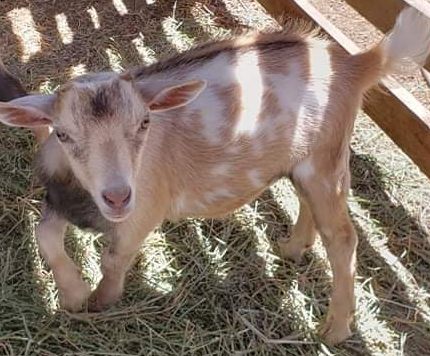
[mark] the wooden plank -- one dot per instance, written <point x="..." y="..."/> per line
<point x="395" y="110"/>
<point x="382" y="13"/>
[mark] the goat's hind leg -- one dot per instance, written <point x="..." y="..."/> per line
<point x="326" y="190"/>
<point x="73" y="291"/>
<point x="303" y="235"/>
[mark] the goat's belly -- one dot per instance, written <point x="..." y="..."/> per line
<point x="213" y="204"/>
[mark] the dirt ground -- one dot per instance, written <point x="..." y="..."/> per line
<point x="205" y="287"/>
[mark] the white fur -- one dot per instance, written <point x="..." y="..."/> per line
<point x="409" y="39"/>
<point x="222" y="169"/>
<point x="255" y="177"/>
<point x="217" y="194"/>
<point x="304" y="170"/>
<point x="248" y="73"/>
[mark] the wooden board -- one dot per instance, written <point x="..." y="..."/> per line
<point x="395" y="110"/>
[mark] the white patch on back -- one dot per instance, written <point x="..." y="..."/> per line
<point x="248" y="74"/>
<point x="217" y="194"/>
<point x="222" y="169"/>
<point x="180" y="204"/>
<point x="217" y="72"/>
<point x="255" y="178"/>
<point x="233" y="149"/>
<point x="316" y="94"/>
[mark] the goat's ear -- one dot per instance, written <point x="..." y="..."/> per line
<point x="28" y="111"/>
<point x="176" y="96"/>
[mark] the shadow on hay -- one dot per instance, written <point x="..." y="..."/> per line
<point x="242" y="290"/>
<point x="368" y="184"/>
<point x="116" y="32"/>
<point x="403" y="230"/>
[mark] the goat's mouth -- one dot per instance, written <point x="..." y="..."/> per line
<point x="116" y="216"/>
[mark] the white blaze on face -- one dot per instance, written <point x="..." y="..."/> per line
<point x="249" y="76"/>
<point x="24" y="28"/>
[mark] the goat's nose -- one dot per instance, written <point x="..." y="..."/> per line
<point x="117" y="197"/>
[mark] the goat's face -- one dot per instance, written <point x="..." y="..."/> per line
<point x="102" y="126"/>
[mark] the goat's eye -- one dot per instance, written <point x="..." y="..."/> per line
<point x="62" y="136"/>
<point x="144" y="125"/>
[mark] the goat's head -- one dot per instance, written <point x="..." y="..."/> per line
<point x="101" y="123"/>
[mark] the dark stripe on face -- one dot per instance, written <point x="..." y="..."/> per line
<point x="101" y="104"/>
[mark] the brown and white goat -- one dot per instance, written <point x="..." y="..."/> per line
<point x="201" y="134"/>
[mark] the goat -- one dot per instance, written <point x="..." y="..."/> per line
<point x="11" y="88"/>
<point x="199" y="135"/>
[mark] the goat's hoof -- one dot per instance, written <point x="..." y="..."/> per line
<point x="95" y="304"/>
<point x="334" y="331"/>
<point x="290" y="251"/>
<point x="74" y="297"/>
<point x="102" y="298"/>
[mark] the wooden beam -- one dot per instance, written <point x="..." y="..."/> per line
<point x="382" y="13"/>
<point x="395" y="110"/>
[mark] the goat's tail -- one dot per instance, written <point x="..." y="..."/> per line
<point x="409" y="40"/>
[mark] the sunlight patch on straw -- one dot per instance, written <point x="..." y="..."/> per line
<point x="298" y="305"/>
<point x="64" y="29"/>
<point x="146" y="54"/>
<point x="375" y="332"/>
<point x="203" y="16"/>
<point x="157" y="264"/>
<point x="77" y="70"/>
<point x="94" y="17"/>
<point x="258" y="229"/>
<point x="114" y="60"/>
<point x="216" y="254"/>
<point x="86" y="253"/>
<point x="178" y="39"/>
<point x="415" y="294"/>
<point x="24" y="28"/>
<point x="44" y="278"/>
<point x="45" y="87"/>
<point x="120" y="7"/>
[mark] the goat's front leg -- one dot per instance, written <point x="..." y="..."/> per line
<point x="117" y="259"/>
<point x="73" y="291"/>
